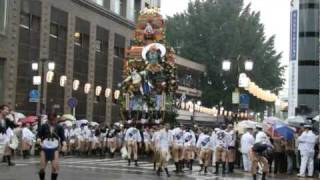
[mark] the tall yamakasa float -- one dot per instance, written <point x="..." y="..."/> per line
<point x="149" y="72"/>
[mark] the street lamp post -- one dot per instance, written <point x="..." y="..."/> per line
<point x="248" y="66"/>
<point x="45" y="69"/>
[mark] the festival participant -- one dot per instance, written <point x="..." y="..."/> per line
<point x="155" y="147"/>
<point x="221" y="143"/>
<point x="247" y="141"/>
<point x="75" y="139"/>
<point x="51" y="136"/>
<point x="147" y="139"/>
<point x="231" y="152"/>
<point x="189" y="146"/>
<point x="27" y="139"/>
<point x="262" y="143"/>
<point x="67" y="135"/>
<point x="177" y="136"/>
<point x="112" y="141"/>
<point x="163" y="141"/>
<point x="132" y="139"/>
<point x="103" y="140"/>
<point x="204" y="146"/>
<point x="307" y="141"/>
<point x="7" y="141"/>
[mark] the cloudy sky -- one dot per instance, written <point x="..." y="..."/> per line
<point x="275" y="15"/>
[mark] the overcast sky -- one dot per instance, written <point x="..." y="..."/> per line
<point x="275" y="15"/>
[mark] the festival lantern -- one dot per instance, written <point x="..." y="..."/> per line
<point x="36" y="80"/>
<point x="116" y="94"/>
<point x="76" y="84"/>
<point x="98" y="90"/>
<point x="107" y="92"/>
<point x="87" y="88"/>
<point x="49" y="77"/>
<point x="63" y="80"/>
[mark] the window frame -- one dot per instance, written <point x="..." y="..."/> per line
<point x="5" y="19"/>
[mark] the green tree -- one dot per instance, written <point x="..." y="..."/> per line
<point x="210" y="31"/>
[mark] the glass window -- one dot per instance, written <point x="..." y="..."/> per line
<point x="78" y="39"/>
<point x="99" y="2"/>
<point x="3" y="15"/>
<point x="130" y="10"/>
<point x="1" y="80"/>
<point x="98" y="45"/>
<point x="25" y="21"/>
<point x="35" y="23"/>
<point x="117" y="6"/>
<point x="54" y="30"/>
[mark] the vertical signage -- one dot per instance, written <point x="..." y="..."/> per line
<point x="294" y="28"/>
<point x="293" y="61"/>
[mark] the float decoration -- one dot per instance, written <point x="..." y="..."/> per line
<point x="149" y="71"/>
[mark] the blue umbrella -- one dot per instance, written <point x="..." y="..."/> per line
<point x="283" y="130"/>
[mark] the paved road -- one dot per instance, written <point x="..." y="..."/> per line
<point x="104" y="169"/>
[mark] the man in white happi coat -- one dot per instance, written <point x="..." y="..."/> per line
<point x="221" y="143"/>
<point x="307" y="141"/>
<point x="177" y="149"/>
<point x="75" y="139"/>
<point x="231" y="152"/>
<point x="132" y="140"/>
<point x="189" y="147"/>
<point x="247" y="141"/>
<point x="147" y="140"/>
<point x="204" y="146"/>
<point x="163" y="141"/>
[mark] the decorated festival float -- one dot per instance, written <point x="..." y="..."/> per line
<point x="149" y="73"/>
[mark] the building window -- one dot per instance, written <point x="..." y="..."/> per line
<point x="54" y="30"/>
<point x="78" y="39"/>
<point x="100" y="2"/>
<point x="25" y="21"/>
<point x="130" y="10"/>
<point x="1" y="79"/>
<point x="3" y="15"/>
<point x="98" y="45"/>
<point x="117" y="6"/>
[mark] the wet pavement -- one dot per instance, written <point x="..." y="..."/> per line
<point x="114" y="169"/>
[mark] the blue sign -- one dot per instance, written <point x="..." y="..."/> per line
<point x="293" y="38"/>
<point x="244" y="101"/>
<point x="34" y="95"/>
<point x="72" y="102"/>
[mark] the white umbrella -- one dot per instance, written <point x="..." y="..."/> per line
<point x="80" y="122"/>
<point x="18" y="115"/>
<point x="241" y="126"/>
<point x="92" y="123"/>
<point x="296" y="120"/>
<point x="68" y="123"/>
<point x="317" y="118"/>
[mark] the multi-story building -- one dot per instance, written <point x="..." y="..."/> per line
<point x="304" y="56"/>
<point x="86" y="40"/>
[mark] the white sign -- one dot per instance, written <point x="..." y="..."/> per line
<point x="294" y="54"/>
<point x="235" y="97"/>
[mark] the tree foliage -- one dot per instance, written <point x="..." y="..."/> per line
<point x="210" y="31"/>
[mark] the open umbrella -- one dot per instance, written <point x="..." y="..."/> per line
<point x="18" y="116"/>
<point x="296" y="120"/>
<point x="317" y="118"/>
<point x="80" y="122"/>
<point x="68" y="123"/>
<point x="92" y="123"/>
<point x="242" y="125"/>
<point x="283" y="130"/>
<point x="68" y="117"/>
<point x="29" y="120"/>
